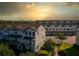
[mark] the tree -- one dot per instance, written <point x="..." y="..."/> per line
<point x="60" y="36"/>
<point x="48" y="45"/>
<point x="5" y="51"/>
<point x="58" y="41"/>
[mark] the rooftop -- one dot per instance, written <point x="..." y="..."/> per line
<point x="22" y="26"/>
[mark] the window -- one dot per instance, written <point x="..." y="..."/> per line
<point x="25" y="38"/>
<point x="71" y="29"/>
<point x="60" y="28"/>
<point x="70" y="25"/>
<point x="57" y="29"/>
<point x="48" y="25"/>
<point x="29" y="33"/>
<point x="56" y="25"/>
<point x="63" y="25"/>
<point x="33" y="41"/>
<point x="26" y="33"/>
<point x="33" y="33"/>
<point x="37" y="46"/>
<point x="64" y="29"/>
<point x="68" y="29"/>
<point x="53" y="28"/>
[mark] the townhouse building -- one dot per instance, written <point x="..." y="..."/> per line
<point x="68" y="27"/>
<point x="23" y="36"/>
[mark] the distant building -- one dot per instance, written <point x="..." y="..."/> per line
<point x="24" y="36"/>
<point x="68" y="27"/>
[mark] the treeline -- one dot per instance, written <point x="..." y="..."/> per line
<point x="10" y="21"/>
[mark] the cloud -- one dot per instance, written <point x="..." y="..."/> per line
<point x="15" y="7"/>
<point x="9" y="8"/>
<point x="16" y="10"/>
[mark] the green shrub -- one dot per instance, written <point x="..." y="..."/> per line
<point x="42" y="53"/>
<point x="5" y="50"/>
<point x="48" y="45"/>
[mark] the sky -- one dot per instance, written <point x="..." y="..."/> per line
<point x="39" y="11"/>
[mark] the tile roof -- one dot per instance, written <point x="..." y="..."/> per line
<point x="21" y="26"/>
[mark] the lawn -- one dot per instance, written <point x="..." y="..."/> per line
<point x="69" y="50"/>
<point x="65" y="46"/>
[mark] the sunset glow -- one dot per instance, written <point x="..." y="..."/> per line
<point x="39" y="11"/>
<point x="36" y="12"/>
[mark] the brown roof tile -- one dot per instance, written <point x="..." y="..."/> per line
<point x="21" y="26"/>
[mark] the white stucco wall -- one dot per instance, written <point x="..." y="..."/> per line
<point x="40" y="37"/>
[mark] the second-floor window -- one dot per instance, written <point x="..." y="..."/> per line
<point x="37" y="46"/>
<point x="30" y="33"/>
